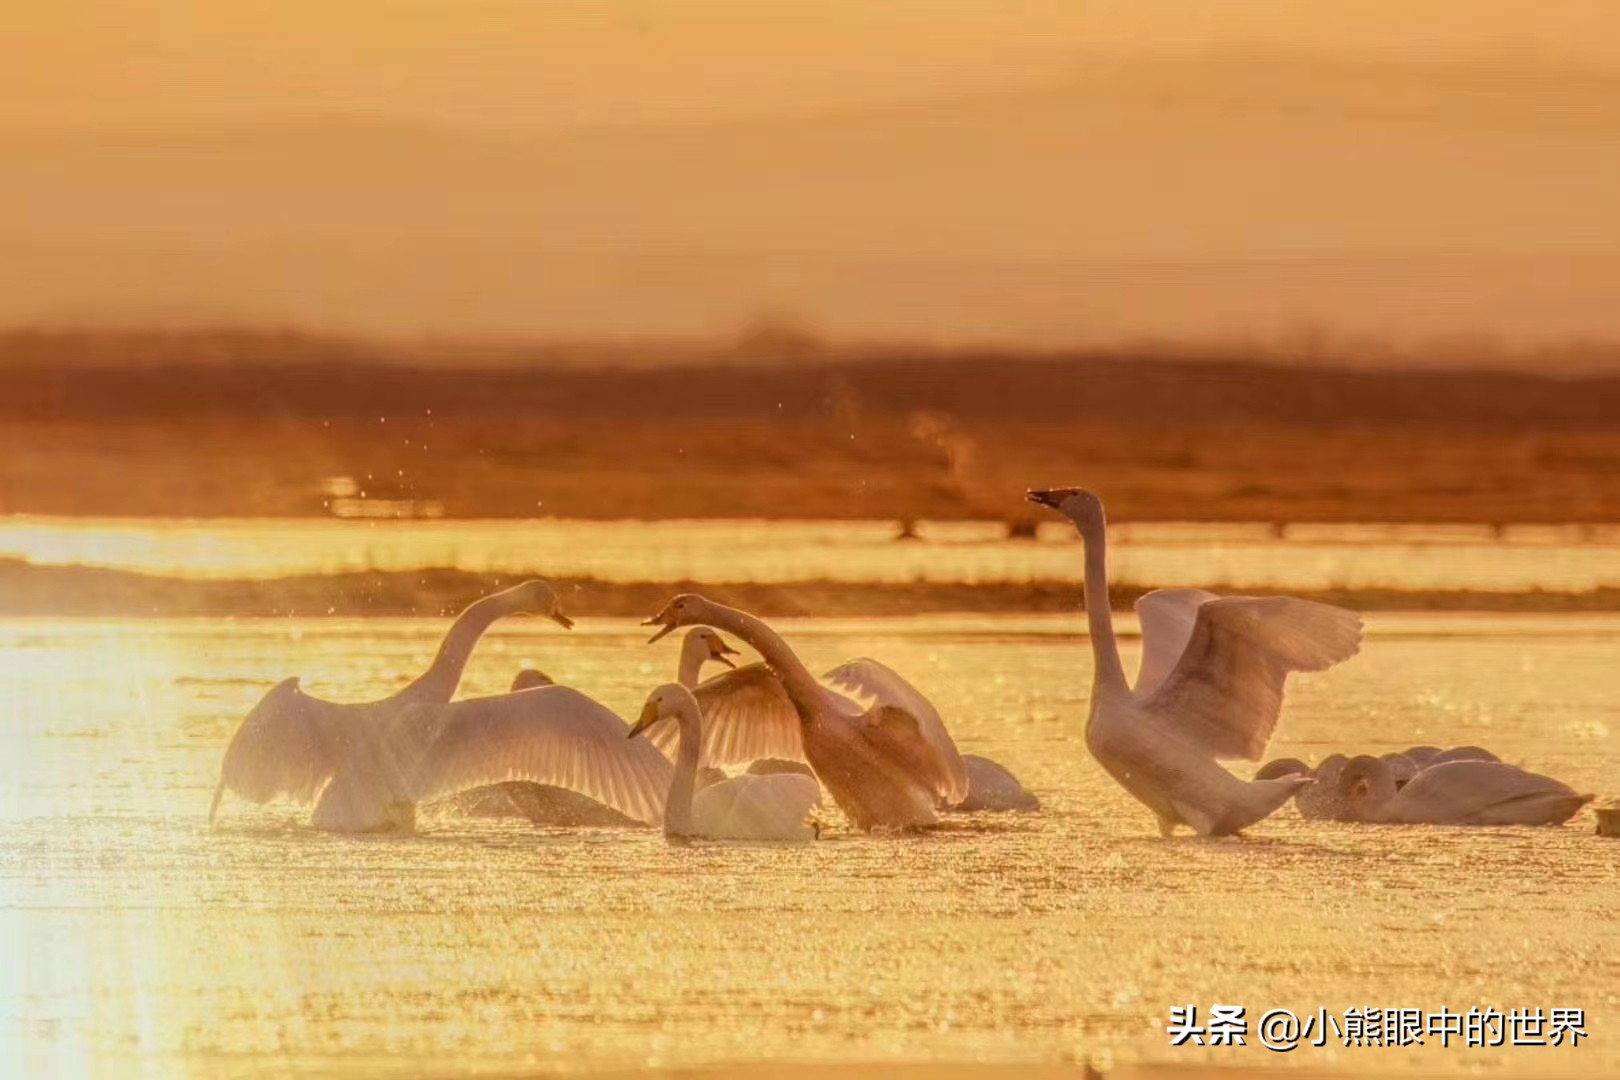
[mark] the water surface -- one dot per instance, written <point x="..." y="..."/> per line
<point x="135" y="939"/>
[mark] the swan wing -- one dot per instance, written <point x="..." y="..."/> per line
<point x="885" y="686"/>
<point x="897" y="737"/>
<point x="289" y="744"/>
<point x="749" y="807"/>
<point x="550" y="735"/>
<point x="1166" y="617"/>
<point x="747" y="715"/>
<point x="1225" y="693"/>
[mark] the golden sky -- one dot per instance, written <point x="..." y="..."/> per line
<point x="1043" y="171"/>
<point x="539" y="62"/>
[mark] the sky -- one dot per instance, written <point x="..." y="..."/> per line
<point x="1038" y="171"/>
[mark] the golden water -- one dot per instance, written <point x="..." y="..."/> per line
<point x="1414" y="557"/>
<point x="136" y="941"/>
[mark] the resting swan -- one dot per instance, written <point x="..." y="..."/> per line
<point x="1210" y="686"/>
<point x="1460" y="792"/>
<point x="292" y="743"/>
<point x="747" y="807"/>
<point x="881" y="765"/>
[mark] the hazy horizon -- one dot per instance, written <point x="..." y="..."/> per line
<point x="1037" y="175"/>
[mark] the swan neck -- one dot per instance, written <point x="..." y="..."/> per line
<point x="678" y="807"/>
<point x="693" y="654"/>
<point x="439" y="681"/>
<point x="1109" y="672"/>
<point x="801" y="686"/>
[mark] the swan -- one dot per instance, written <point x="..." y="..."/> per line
<point x="1210" y="686"/>
<point x="749" y="717"/>
<point x="747" y="807"/>
<point x="292" y="743"/>
<point x="1463" y="792"/>
<point x="881" y="765"/>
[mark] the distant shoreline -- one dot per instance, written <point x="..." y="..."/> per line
<point x="31" y="590"/>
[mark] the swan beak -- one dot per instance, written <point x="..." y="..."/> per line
<point x="721" y="652"/>
<point x="657" y="620"/>
<point x="562" y="620"/>
<point x="649" y="714"/>
<point x="1042" y="498"/>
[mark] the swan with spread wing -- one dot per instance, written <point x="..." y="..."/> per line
<point x="1210" y="686"/>
<point x="748" y="717"/>
<point x="293" y="744"/>
<point x="882" y="765"/>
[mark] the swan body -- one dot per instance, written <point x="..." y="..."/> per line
<point x="1210" y="686"/>
<point x="293" y="744"/>
<point x="1461" y="792"/>
<point x="747" y="807"/>
<point x="878" y="764"/>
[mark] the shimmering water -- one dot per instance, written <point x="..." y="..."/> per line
<point x="1413" y="557"/>
<point x="135" y="940"/>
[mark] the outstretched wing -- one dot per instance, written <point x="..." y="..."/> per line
<point x="1225" y="692"/>
<point x="1166" y="617"/>
<point x="550" y="735"/>
<point x="898" y="739"/>
<point x="872" y="679"/>
<point x="747" y="715"/>
<point x="289" y="744"/>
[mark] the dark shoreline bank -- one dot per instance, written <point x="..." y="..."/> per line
<point x="27" y="589"/>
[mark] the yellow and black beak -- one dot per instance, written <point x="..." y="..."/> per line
<point x="1042" y="498"/>
<point x="562" y="620"/>
<point x="663" y="619"/>
<point x="649" y="716"/>
<point x="720" y="651"/>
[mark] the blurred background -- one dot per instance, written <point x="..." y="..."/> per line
<point x="383" y="259"/>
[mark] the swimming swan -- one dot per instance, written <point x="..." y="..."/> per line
<point x="1210" y="686"/>
<point x="747" y="807"/>
<point x="292" y="743"/>
<point x="879" y="764"/>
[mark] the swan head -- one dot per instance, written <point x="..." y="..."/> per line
<point x="529" y="679"/>
<point x="707" y="644"/>
<point x="687" y="609"/>
<point x="1365" y="784"/>
<point x="1077" y="504"/>
<point x="669" y="700"/>
<point x="539" y="598"/>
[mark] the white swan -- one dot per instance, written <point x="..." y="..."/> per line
<point x="748" y="717"/>
<point x="1210" y="686"/>
<point x="879" y="764"/>
<point x="747" y="807"/>
<point x="1460" y="792"/>
<point x="292" y="743"/>
<point x="550" y="735"/>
